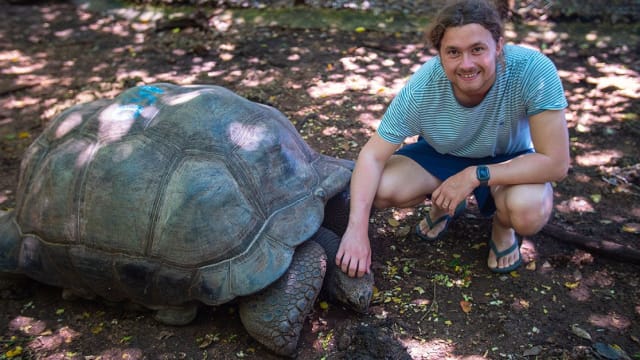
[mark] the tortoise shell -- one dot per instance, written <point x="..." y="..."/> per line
<point x="168" y="194"/>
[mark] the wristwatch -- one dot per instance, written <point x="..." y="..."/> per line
<point x="483" y="175"/>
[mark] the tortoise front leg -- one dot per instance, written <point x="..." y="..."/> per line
<point x="275" y="316"/>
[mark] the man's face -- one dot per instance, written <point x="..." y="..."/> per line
<point x="468" y="54"/>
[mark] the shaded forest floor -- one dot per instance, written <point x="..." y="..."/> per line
<point x="333" y="73"/>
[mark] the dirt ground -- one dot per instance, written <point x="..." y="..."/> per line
<point x="334" y="80"/>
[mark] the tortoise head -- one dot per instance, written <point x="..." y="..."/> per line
<point x="356" y="293"/>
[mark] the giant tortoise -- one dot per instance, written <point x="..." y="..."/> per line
<point x="173" y="196"/>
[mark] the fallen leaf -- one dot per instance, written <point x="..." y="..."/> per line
<point x="633" y="228"/>
<point x="572" y="285"/>
<point x="612" y="352"/>
<point x="97" y="329"/>
<point x="578" y="331"/>
<point x="393" y="222"/>
<point x="164" y="335"/>
<point x="208" y="339"/>
<point x="13" y="352"/>
<point x="403" y="231"/>
<point x="360" y="29"/>
<point x="466" y="306"/>
<point x="534" y="351"/>
<point x="125" y="339"/>
<point x="324" y="305"/>
<point x="531" y="266"/>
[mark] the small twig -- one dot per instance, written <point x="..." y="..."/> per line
<point x="434" y="304"/>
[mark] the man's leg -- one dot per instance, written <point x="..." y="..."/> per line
<point x="404" y="183"/>
<point x="522" y="209"/>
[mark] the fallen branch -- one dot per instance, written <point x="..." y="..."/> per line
<point x="606" y="248"/>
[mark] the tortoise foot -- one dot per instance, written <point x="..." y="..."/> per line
<point x="176" y="315"/>
<point x="275" y="316"/>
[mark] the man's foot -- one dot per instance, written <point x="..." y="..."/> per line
<point x="504" y="253"/>
<point x="430" y="229"/>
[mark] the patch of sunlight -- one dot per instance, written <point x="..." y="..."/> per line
<point x="21" y="103"/>
<point x="434" y="349"/>
<point x="254" y="78"/>
<point x="117" y="117"/>
<point x="374" y="85"/>
<point x="611" y="321"/>
<point x="55" y="108"/>
<point x="575" y="204"/>
<point x="117" y="29"/>
<point x="628" y="85"/>
<point x="325" y="89"/>
<point x="64" y="34"/>
<point x="330" y="131"/>
<point x="598" y="157"/>
<point x="369" y="120"/>
<point x="423" y="349"/>
<point x="21" y="69"/>
<point x="144" y="76"/>
<point x="122" y="152"/>
<point x="70" y="122"/>
<point x="183" y="98"/>
<point x="574" y="77"/>
<point x="583" y="178"/>
<point x="43" y="340"/>
<point x="247" y="137"/>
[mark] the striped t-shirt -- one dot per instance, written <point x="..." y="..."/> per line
<point x="426" y="106"/>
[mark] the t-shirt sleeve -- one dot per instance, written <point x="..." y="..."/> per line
<point x="542" y="87"/>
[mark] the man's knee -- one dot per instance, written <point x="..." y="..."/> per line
<point x="529" y="211"/>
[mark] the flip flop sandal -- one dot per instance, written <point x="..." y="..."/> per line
<point x="501" y="254"/>
<point x="446" y="218"/>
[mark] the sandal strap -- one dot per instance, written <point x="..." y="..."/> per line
<point x="503" y="253"/>
<point x="432" y="224"/>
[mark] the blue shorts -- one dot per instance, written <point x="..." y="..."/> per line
<point x="442" y="166"/>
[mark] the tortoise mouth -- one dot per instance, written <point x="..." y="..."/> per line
<point x="356" y="293"/>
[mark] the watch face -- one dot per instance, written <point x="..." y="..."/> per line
<point x="483" y="173"/>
